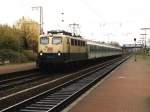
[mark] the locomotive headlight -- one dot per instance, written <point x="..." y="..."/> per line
<point x="59" y="53"/>
<point x="41" y="53"/>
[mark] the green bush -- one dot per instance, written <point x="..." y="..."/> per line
<point x="10" y="38"/>
<point x="30" y="55"/>
<point x="12" y="56"/>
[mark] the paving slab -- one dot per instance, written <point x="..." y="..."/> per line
<point x="127" y="89"/>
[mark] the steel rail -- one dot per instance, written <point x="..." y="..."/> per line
<point x="7" y="76"/>
<point x="13" y="82"/>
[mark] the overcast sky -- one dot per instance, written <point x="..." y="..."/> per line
<point x="102" y="20"/>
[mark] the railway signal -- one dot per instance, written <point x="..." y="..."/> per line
<point x="135" y="49"/>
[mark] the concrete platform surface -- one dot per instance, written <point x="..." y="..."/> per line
<point x="16" y="67"/>
<point x="127" y="89"/>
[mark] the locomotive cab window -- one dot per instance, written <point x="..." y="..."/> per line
<point x="56" y="40"/>
<point x="44" y="40"/>
<point x="72" y="42"/>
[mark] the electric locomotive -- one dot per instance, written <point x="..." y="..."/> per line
<point x="60" y="47"/>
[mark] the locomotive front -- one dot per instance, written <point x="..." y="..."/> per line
<point x="52" y="49"/>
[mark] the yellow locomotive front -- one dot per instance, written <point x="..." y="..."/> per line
<point x="53" y="49"/>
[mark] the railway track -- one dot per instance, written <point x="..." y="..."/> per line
<point x="8" y="76"/>
<point x="53" y="100"/>
<point x="15" y="79"/>
<point x="20" y="79"/>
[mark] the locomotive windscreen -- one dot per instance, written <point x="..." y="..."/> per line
<point x="44" y="40"/>
<point x="56" y="40"/>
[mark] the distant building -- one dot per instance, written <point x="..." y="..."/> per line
<point x="131" y="48"/>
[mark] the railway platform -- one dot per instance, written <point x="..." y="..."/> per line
<point x="16" y="67"/>
<point x="126" y="89"/>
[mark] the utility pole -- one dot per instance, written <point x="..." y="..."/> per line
<point x="145" y="29"/>
<point x="62" y="20"/>
<point x="141" y="40"/>
<point x="144" y="38"/>
<point x="41" y="17"/>
<point x="144" y="42"/>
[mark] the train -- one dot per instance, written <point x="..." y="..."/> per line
<point x="61" y="47"/>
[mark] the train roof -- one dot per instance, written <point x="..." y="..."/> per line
<point x="59" y="32"/>
<point x="62" y="33"/>
<point x="89" y="42"/>
<point x="78" y="37"/>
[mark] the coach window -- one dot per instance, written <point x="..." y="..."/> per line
<point x="91" y="49"/>
<point x="102" y="49"/>
<point x="83" y="43"/>
<point x="75" y="41"/>
<point x="80" y="43"/>
<point x="56" y="40"/>
<point x="44" y="40"/>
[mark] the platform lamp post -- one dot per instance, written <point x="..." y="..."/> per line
<point x="135" y="49"/>
<point x="41" y="17"/>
